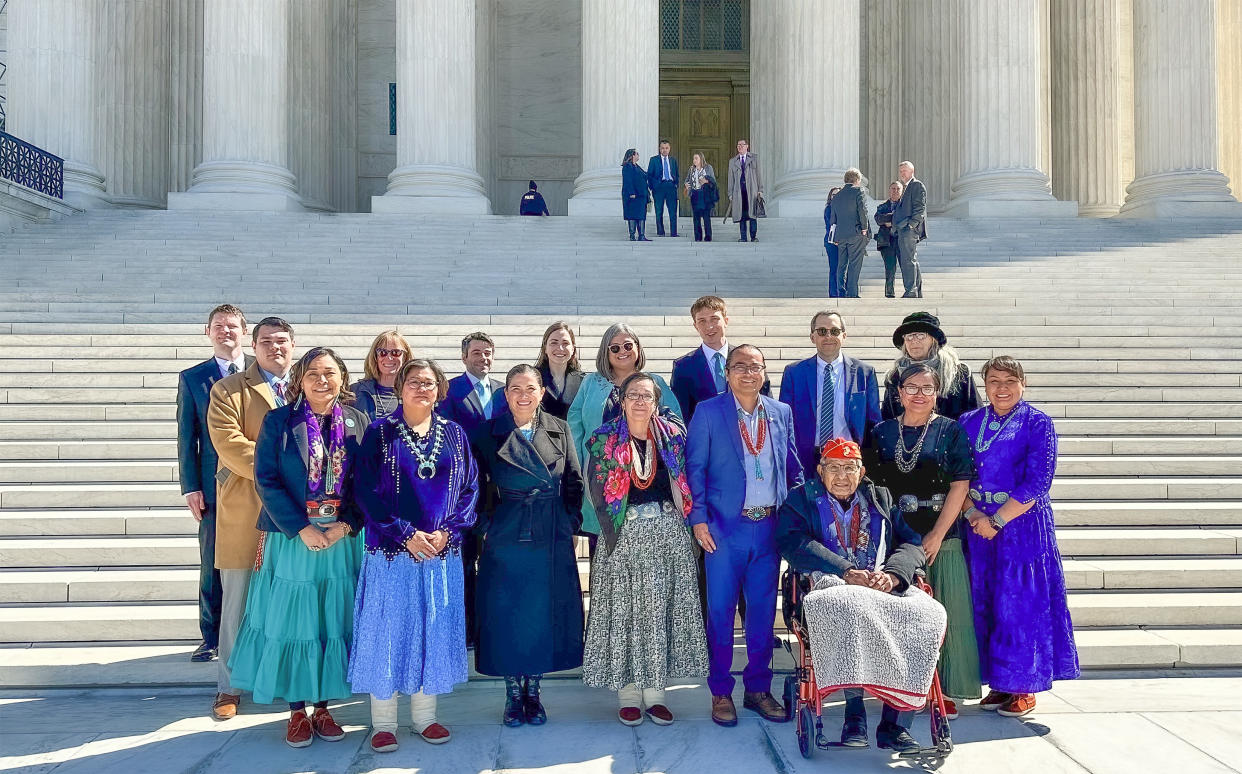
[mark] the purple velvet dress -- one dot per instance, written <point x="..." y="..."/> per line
<point x="1022" y="620"/>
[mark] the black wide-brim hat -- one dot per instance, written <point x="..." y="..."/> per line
<point x="920" y="322"/>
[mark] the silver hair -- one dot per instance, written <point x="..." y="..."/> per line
<point x="601" y="357"/>
<point x="852" y="175"/>
<point x="944" y="359"/>
<point x="909" y="164"/>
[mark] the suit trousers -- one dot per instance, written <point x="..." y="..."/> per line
<point x="209" y="590"/>
<point x="849" y="265"/>
<point x="235" y="587"/>
<point x="889" y="254"/>
<point x="666" y="198"/>
<point x="745" y="560"/>
<point x="907" y="256"/>
<point x="834" y="261"/>
<point x="741" y="224"/>
<point x="702" y="225"/>
<point x="639" y="227"/>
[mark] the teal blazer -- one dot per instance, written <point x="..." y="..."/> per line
<point x="586" y="415"/>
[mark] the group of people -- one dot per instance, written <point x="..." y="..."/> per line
<point x="900" y="224"/>
<point x="365" y="534"/>
<point x="660" y="182"/>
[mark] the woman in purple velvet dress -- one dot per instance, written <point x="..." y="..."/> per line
<point x="1022" y="620"/>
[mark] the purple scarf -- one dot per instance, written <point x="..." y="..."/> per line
<point x="318" y="486"/>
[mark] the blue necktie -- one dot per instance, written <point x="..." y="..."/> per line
<point x="481" y="389"/>
<point x="718" y="372"/>
<point x="667" y="175"/>
<point x="826" y="429"/>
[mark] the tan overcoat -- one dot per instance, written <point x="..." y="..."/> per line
<point x="234" y="416"/>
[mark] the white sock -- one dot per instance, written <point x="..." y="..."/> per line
<point x="652" y="697"/>
<point x="422" y="711"/>
<point x="384" y="714"/>
<point x="630" y="696"/>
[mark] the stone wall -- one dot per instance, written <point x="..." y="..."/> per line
<point x="377" y="67"/>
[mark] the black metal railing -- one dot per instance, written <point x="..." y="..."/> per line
<point x="33" y="167"/>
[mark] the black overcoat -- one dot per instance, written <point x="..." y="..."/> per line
<point x="529" y="599"/>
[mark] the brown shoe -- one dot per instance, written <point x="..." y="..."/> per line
<point x="325" y="727"/>
<point x="763" y="703"/>
<point x="994" y="700"/>
<point x="225" y="706"/>
<point x="299" y="732"/>
<point x="1019" y="704"/>
<point x="723" y="711"/>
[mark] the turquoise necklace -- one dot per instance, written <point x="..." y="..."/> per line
<point x="993" y="423"/>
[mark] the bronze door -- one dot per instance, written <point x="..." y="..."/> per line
<point x="699" y="124"/>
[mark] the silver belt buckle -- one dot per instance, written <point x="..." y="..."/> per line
<point x="997" y="498"/>
<point x="327" y="509"/>
<point x="757" y="514"/>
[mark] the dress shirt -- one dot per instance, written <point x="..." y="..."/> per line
<point x="224" y="364"/>
<point x="668" y="175"/>
<point x="485" y="396"/>
<point x="759" y="492"/>
<point x="838" y="410"/>
<point x="277" y="384"/>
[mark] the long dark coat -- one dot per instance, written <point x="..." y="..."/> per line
<point x="634" y="192"/>
<point x="529" y="600"/>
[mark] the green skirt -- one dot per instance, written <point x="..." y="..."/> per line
<point x="959" y="656"/>
<point x="295" y="637"/>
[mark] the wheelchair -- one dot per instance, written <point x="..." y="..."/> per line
<point x="804" y="699"/>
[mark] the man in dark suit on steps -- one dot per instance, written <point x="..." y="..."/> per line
<point x="662" y="178"/>
<point x="849" y="219"/>
<point x="910" y="228"/>
<point x="197" y="460"/>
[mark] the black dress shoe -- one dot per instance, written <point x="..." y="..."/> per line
<point x="643" y="239"/>
<point x="535" y="714"/>
<point x="515" y="713"/>
<point x="854" y="732"/>
<point x="754" y="239"/>
<point x="743" y="239"/>
<point x="203" y="652"/>
<point x="894" y="737"/>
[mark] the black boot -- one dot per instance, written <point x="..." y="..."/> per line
<point x="514" y="713"/>
<point x="534" y="709"/>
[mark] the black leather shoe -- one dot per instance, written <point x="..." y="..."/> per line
<point x="854" y="732"/>
<point x="533" y="708"/>
<point x="743" y="239"/>
<point x="754" y="239"/>
<point x="894" y="737"/>
<point x="515" y="714"/>
<point x="203" y="652"/>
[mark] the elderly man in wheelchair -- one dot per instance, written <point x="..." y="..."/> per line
<point x="858" y="606"/>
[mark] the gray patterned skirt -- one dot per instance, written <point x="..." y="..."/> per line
<point x="645" y="626"/>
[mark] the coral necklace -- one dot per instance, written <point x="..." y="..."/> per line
<point x="754" y="447"/>
<point x="643" y="471"/>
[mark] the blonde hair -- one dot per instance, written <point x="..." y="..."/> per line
<point x="370" y="367"/>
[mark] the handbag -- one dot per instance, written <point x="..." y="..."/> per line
<point x="757" y="208"/>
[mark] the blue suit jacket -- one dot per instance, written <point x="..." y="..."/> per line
<point x="714" y="459"/>
<point x="196" y="457"/>
<point x="462" y="404"/>
<point x="655" y="172"/>
<point x="862" y="403"/>
<point x="280" y="468"/>
<point x="693" y="383"/>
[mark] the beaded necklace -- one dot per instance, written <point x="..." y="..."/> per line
<point x="905" y="458"/>
<point x="426" y="449"/>
<point x="754" y="447"/>
<point x="857" y="538"/>
<point x="643" y="471"/>
<point x="994" y="424"/>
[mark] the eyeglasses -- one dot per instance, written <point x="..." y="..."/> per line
<point x="916" y="389"/>
<point x="742" y="368"/>
<point x="918" y="336"/>
<point x="841" y="470"/>
<point x="381" y="352"/>
<point x="422" y="386"/>
<point x="628" y="346"/>
<point x="822" y="331"/>
<point x="640" y="397"/>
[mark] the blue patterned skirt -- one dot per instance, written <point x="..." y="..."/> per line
<point x="294" y="640"/>
<point x="1022" y="619"/>
<point x="409" y="626"/>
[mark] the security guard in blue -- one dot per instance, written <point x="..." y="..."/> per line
<point x="533" y="203"/>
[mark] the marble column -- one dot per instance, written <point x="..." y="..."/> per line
<point x="817" y="126"/>
<point x="52" y="101"/>
<point x="1004" y="114"/>
<point x="185" y="91"/>
<point x="620" y="97"/>
<point x="310" y="79"/>
<point x="883" y="119"/>
<point x="930" y="55"/>
<point x="437" y="112"/>
<point x="133" y="100"/>
<point x="1176" y="147"/>
<point x="245" y="162"/>
<point x="1229" y="111"/>
<point x="1087" y="104"/>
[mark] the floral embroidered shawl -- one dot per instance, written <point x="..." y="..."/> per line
<point x="610" y="463"/>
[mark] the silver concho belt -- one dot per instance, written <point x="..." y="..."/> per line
<point x="991" y="498"/>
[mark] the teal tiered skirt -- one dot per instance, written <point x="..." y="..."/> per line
<point x="295" y="637"/>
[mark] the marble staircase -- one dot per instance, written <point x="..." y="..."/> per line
<point x="1129" y="332"/>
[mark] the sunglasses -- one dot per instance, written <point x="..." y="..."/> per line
<point x="821" y="331"/>
<point x="627" y="346"/>
<point x="381" y="352"/>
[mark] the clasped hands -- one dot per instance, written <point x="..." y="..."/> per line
<point x="873" y="579"/>
<point x="316" y="538"/>
<point x="424" y="545"/>
<point x="980" y="524"/>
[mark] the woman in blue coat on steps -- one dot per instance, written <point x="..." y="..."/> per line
<point x="634" y="195"/>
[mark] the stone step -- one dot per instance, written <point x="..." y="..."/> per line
<point x="1198" y="446"/>
<point x="39" y="496"/>
<point x="99" y="521"/>
<point x="89" y="450"/>
<point x="98" y="551"/>
<point x="1156" y="608"/>
<point x="1122" y="489"/>
<point x="1185" y="541"/>
<point x="92" y="470"/>
<point x="1157" y="513"/>
<point x="87" y="430"/>
<point x="1135" y="573"/>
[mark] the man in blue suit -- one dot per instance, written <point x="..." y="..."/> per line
<point x="699" y="374"/>
<point x="832" y="395"/>
<point x="472" y="399"/>
<point x="196" y="458"/>
<point x="740" y="465"/>
<point x="663" y="181"/>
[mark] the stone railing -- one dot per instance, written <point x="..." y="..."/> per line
<point x="35" y="168"/>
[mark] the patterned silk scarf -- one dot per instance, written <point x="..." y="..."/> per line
<point x="326" y="463"/>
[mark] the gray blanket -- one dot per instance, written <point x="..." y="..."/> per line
<point x="886" y="643"/>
